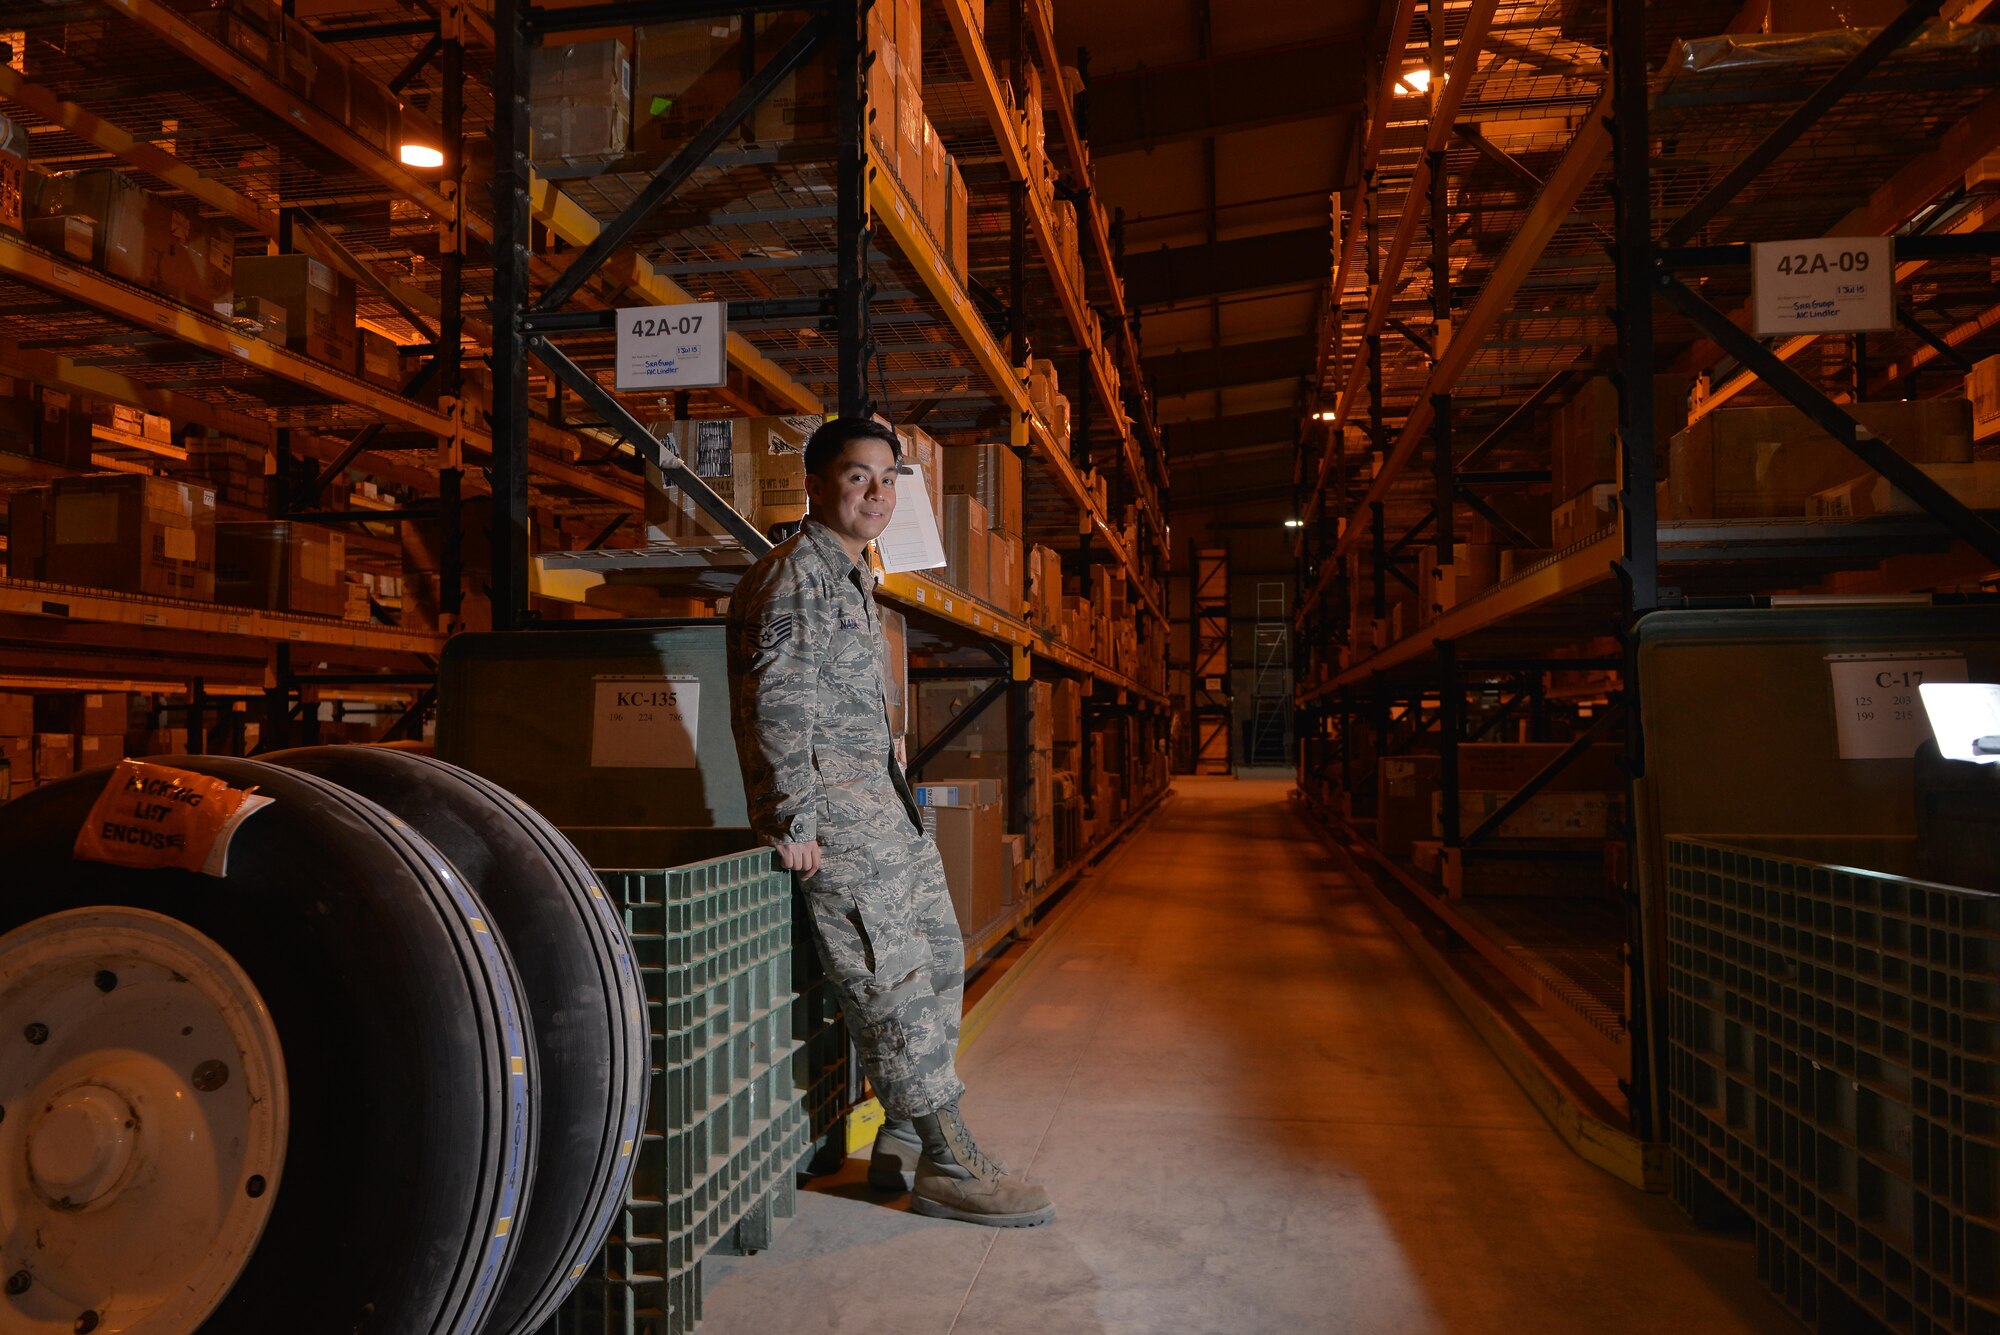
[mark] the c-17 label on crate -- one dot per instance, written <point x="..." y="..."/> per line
<point x="1875" y="702"/>
<point x="644" y="722"/>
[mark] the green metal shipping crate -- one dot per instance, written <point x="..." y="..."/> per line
<point x="1834" y="1037"/>
<point x="728" y="1121"/>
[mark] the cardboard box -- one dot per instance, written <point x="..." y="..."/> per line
<point x="965" y="545"/>
<point x="70" y="235"/>
<point x="62" y="429"/>
<point x="1742" y="463"/>
<point x="118" y="209"/>
<point x="1586" y="431"/>
<point x="55" y="756"/>
<point x="1976" y="485"/>
<point x="317" y="299"/>
<point x="96" y="751"/>
<point x="261" y="317"/>
<point x="958" y="234"/>
<point x="909" y="158"/>
<point x="580" y="106"/>
<point x="190" y="258"/>
<point x="1014" y="862"/>
<point x="281" y="567"/>
<point x="964" y="817"/>
<point x="936" y="188"/>
<point x="100" y="713"/>
<point x="129" y="533"/>
<point x="1407" y="787"/>
<point x="27" y="534"/>
<point x="1506" y="767"/>
<point x="684" y="73"/>
<point x="247" y="27"/>
<point x="1004" y="572"/>
<point x="1982" y="386"/>
<point x="882" y="76"/>
<point x="1546" y="815"/>
<point x="374" y="114"/>
<point x="1584" y="516"/>
<point x="909" y="32"/>
<point x="381" y="360"/>
<point x="992" y="473"/>
<point x="19" y="753"/>
<point x="17" y="715"/>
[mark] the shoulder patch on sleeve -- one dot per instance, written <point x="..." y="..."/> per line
<point x="776" y="631"/>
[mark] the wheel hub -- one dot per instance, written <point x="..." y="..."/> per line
<point x="80" y="1146"/>
<point x="142" y="1088"/>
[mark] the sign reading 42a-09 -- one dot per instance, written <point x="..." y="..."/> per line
<point x="1829" y="285"/>
<point x="673" y="347"/>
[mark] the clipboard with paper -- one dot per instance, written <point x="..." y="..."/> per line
<point x="912" y="540"/>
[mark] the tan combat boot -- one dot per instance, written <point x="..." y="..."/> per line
<point x="893" y="1165"/>
<point x="898" y="1147"/>
<point x="956" y="1181"/>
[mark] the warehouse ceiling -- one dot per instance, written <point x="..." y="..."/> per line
<point x="1220" y="129"/>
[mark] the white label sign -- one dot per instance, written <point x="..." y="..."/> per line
<point x="1875" y="701"/>
<point x="1832" y="285"/>
<point x="645" y="722"/>
<point x="677" y="347"/>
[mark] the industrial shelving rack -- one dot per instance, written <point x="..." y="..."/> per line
<point x="458" y="264"/>
<point x="1545" y="196"/>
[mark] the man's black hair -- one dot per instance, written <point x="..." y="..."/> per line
<point x="824" y="446"/>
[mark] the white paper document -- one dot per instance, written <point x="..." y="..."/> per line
<point x="1961" y="713"/>
<point x="912" y="540"/>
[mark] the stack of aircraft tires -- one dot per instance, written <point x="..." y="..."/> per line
<point x="388" y="1074"/>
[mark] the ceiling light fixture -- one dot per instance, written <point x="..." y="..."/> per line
<point x="1414" y="81"/>
<point x="422" y="155"/>
<point x="1295" y="523"/>
<point x="1326" y="415"/>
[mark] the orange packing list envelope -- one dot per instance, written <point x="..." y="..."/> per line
<point x="157" y="816"/>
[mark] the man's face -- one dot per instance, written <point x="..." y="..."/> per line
<point x="856" y="497"/>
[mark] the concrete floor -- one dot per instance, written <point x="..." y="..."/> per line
<point x="1256" y="1113"/>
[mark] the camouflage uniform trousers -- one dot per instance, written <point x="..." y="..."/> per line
<point x="889" y="938"/>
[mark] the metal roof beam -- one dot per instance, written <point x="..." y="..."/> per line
<point x="1175" y="274"/>
<point x="1232" y="364"/>
<point x="1237" y="431"/>
<point x="1140" y="109"/>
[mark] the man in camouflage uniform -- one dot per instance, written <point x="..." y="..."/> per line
<point x="827" y="791"/>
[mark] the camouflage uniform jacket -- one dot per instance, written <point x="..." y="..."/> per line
<point x="806" y="696"/>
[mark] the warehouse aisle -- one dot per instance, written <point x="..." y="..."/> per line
<point x="1256" y="1113"/>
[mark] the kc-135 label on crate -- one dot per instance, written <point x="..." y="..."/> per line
<point x="644" y="722"/>
<point x="1875" y="701"/>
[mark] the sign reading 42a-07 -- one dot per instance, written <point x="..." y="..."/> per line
<point x="1831" y="285"/>
<point x="673" y="347"/>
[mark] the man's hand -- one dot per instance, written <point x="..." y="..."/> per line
<point x="902" y="754"/>
<point x="801" y="858"/>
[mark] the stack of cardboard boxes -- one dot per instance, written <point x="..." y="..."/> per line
<point x="755" y="464"/>
<point x="120" y="531"/>
<point x="44" y="424"/>
<point x="1743" y="463"/>
<point x="986" y="555"/>
<point x="52" y="735"/>
<point x="580" y="106"/>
